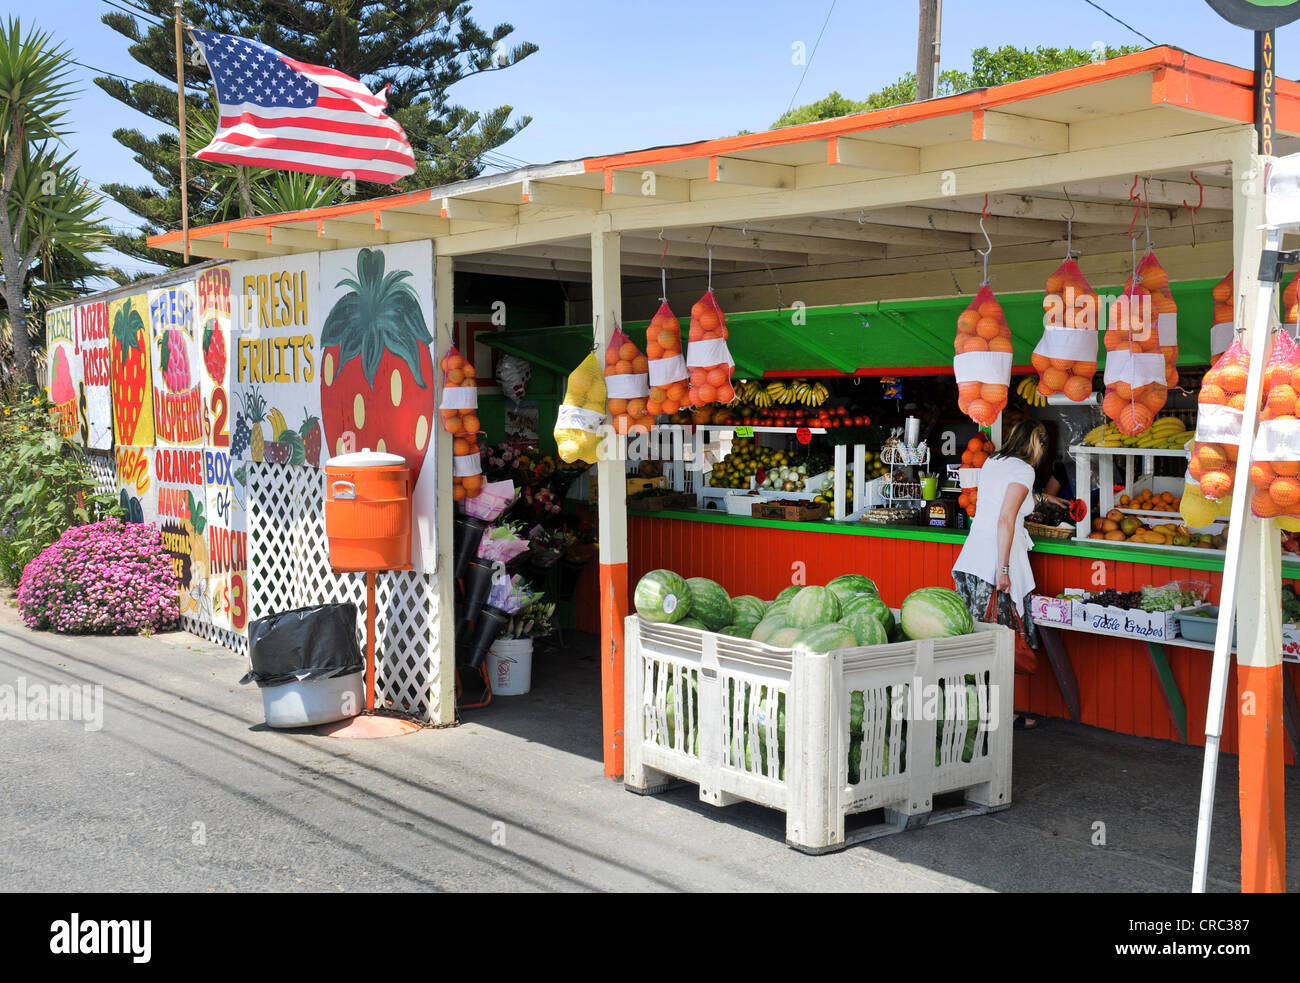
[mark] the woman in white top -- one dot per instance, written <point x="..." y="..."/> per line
<point x="996" y="553"/>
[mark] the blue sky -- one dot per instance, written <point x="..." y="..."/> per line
<point x="613" y="76"/>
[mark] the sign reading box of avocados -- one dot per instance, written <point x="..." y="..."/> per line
<point x="227" y="537"/>
<point x="275" y="360"/>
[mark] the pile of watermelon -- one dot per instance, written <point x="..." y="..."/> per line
<point x="845" y="613"/>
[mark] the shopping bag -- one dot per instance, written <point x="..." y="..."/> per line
<point x="1026" y="657"/>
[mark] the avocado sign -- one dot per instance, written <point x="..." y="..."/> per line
<point x="1257" y="15"/>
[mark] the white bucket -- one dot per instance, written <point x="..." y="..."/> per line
<point x="314" y="701"/>
<point x="510" y="666"/>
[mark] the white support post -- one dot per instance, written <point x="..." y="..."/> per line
<point x="443" y="317"/>
<point x="1255" y="601"/>
<point x="611" y="476"/>
<point x="840" y="481"/>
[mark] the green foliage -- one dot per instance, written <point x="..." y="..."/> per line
<point x="46" y="483"/>
<point x="46" y="211"/>
<point x="419" y="48"/>
<point x="989" y="67"/>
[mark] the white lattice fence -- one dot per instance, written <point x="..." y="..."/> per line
<point x="101" y="463"/>
<point x="225" y="637"/>
<point x="289" y="568"/>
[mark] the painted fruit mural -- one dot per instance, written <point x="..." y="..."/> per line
<point x="131" y="386"/>
<point x="63" y="393"/>
<point x="376" y="366"/>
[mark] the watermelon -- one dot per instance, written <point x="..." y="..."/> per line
<point x="972" y="719"/>
<point x="769" y="626"/>
<point x="747" y="607"/>
<point x="778" y="607"/>
<point x="663" y="597"/>
<point x="866" y="628"/>
<point x="897" y="634"/>
<point x="826" y="638"/>
<point x="709" y="602"/>
<point x="813" y="606"/>
<point x="789" y="593"/>
<point x="872" y="604"/>
<point x="851" y="585"/>
<point x="784" y="638"/>
<point x="935" y="612"/>
<point x="743" y="629"/>
<point x="693" y="622"/>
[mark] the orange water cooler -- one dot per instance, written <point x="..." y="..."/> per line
<point x="368" y="523"/>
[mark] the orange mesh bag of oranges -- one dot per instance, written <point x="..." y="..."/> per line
<point x="627" y="381"/>
<point x="978" y="450"/>
<point x="707" y="357"/>
<point x="1155" y="281"/>
<point x="1135" y="367"/>
<point x="1065" y="358"/>
<point x="982" y="363"/>
<point x="1275" y="461"/>
<point x="466" y="467"/>
<point x="1221" y="327"/>
<point x="581" y="414"/>
<point x="1218" y="423"/>
<point x="668" y="375"/>
<point x="459" y="394"/>
<point x="1290" y="304"/>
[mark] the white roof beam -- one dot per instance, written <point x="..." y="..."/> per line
<point x="848" y="152"/>
<point x="1020" y="131"/>
<point x="647" y="183"/>
<point x="547" y="193"/>
<point x="479" y="211"/>
<point x="750" y="173"/>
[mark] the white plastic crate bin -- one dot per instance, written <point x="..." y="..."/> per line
<point x="746" y="721"/>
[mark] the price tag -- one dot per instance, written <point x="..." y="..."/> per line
<point x="803" y="435"/>
<point x="744" y="431"/>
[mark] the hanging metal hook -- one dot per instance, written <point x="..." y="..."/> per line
<point x="595" y="333"/>
<point x="1192" y="211"/>
<point x="862" y="216"/>
<point x="1134" y="196"/>
<point x="988" y="242"/>
<point x="1146" y="193"/>
<point x="1070" y="251"/>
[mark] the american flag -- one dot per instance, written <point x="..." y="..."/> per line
<point x="285" y="114"/>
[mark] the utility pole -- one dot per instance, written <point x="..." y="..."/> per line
<point x="927" y="50"/>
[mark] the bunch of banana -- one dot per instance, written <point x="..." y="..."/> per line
<point x="1167" y="433"/>
<point x="1028" y="391"/>
<point x="759" y="396"/>
<point x="278" y="423"/>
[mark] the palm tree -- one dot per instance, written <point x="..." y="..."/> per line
<point x="45" y="207"/>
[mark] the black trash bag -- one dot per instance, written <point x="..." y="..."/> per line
<point x="315" y="642"/>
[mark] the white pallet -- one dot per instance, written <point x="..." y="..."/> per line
<point x="708" y="744"/>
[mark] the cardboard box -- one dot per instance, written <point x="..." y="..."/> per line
<point x="1045" y="610"/>
<point x="740" y="503"/>
<point x="1290" y="643"/>
<point x="792" y="513"/>
<point x="634" y="485"/>
<point x="1146" y="626"/>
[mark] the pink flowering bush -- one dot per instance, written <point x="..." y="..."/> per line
<point x="106" y="578"/>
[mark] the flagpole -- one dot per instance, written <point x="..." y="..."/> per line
<point x="180" y="102"/>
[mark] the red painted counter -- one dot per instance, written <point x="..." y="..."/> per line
<point x="1118" y="690"/>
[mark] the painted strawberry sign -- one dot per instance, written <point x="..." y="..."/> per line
<point x="130" y="377"/>
<point x="376" y="364"/>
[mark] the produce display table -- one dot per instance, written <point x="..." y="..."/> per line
<point x="1115" y="683"/>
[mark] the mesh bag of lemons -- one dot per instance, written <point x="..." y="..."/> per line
<point x="581" y="413"/>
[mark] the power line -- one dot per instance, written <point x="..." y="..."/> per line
<point x="808" y="63"/>
<point x="137" y="11"/>
<point x="1120" y="22"/>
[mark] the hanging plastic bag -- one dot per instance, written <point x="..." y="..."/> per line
<point x="581" y="413"/>
<point x="1135" y="367"/>
<point x="707" y="356"/>
<point x="1065" y="358"/>
<point x="1221" y="328"/>
<point x="1275" y="467"/>
<point x="459" y="394"/>
<point x="514" y="374"/>
<point x="668" y="375"/>
<point x="627" y="381"/>
<point x="1218" y="423"/>
<point x="982" y="359"/>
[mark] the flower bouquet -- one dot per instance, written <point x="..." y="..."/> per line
<point x="502" y="543"/>
<point x="494" y="499"/>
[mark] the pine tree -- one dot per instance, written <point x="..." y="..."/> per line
<point x="418" y="48"/>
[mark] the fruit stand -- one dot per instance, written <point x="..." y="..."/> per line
<point x="953" y="215"/>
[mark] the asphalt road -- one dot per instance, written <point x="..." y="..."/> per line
<point x="183" y="788"/>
